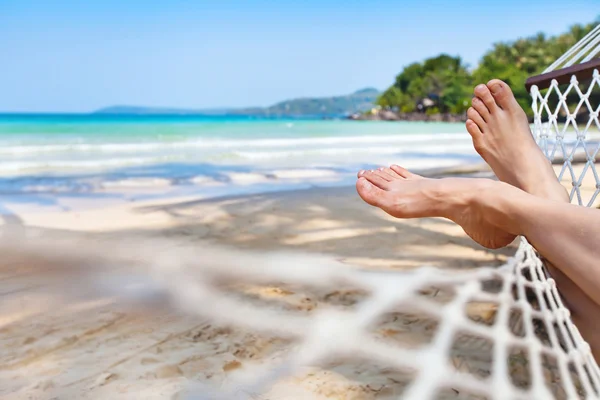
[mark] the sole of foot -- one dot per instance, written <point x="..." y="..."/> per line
<point x="500" y="131"/>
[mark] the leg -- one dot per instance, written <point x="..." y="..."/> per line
<point x="501" y="135"/>
<point x="565" y="234"/>
<point x="419" y="196"/>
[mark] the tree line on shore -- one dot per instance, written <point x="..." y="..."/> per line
<point x="444" y="84"/>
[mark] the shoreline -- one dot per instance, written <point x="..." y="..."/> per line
<point x="134" y="191"/>
<point x="387" y="115"/>
<point x="73" y="209"/>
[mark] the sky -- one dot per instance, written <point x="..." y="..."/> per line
<point x="78" y="56"/>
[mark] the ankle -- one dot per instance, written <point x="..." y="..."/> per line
<point x="454" y="196"/>
<point x="548" y="187"/>
<point x="493" y="201"/>
<point x="503" y="204"/>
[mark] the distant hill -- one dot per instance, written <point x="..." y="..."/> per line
<point x="358" y="101"/>
<point x="361" y="100"/>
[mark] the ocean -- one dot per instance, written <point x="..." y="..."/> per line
<point x="132" y="157"/>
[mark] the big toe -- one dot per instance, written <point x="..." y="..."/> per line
<point x="502" y="94"/>
<point x="371" y="194"/>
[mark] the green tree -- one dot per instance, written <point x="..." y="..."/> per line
<point x="446" y="79"/>
<point x="514" y="62"/>
<point x="443" y="78"/>
<point x="392" y="98"/>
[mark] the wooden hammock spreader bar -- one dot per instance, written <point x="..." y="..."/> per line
<point x="582" y="71"/>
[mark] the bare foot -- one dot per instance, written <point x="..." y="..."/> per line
<point x="501" y="135"/>
<point x="403" y="194"/>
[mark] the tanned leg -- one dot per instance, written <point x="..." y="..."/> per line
<point x="490" y="212"/>
<point x="501" y="135"/>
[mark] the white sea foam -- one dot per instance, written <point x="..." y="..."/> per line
<point x="423" y="140"/>
<point x="7" y="167"/>
<point x="203" y="180"/>
<point x="211" y="143"/>
<point x="304" y="173"/>
<point x="136" y="183"/>
<point x="218" y="165"/>
<point x="339" y="151"/>
<point x="246" y="178"/>
<point x="291" y="152"/>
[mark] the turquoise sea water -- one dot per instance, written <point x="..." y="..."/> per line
<point x="157" y="155"/>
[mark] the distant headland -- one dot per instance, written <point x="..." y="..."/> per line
<point x="359" y="102"/>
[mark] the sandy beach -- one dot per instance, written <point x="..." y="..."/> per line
<point x="93" y="349"/>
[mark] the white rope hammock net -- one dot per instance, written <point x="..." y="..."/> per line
<point x="494" y="333"/>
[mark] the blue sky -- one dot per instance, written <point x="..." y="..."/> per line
<point x="82" y="55"/>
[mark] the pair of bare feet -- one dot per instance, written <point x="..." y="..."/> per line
<point x="501" y="135"/>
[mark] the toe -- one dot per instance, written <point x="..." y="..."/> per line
<point x="502" y="94"/>
<point x="383" y="175"/>
<point x="360" y="173"/>
<point x="403" y="172"/>
<point x="375" y="179"/>
<point x="485" y="95"/>
<point x="392" y="173"/>
<point x="473" y="129"/>
<point x="371" y="194"/>
<point x="480" y="107"/>
<point x="474" y="116"/>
